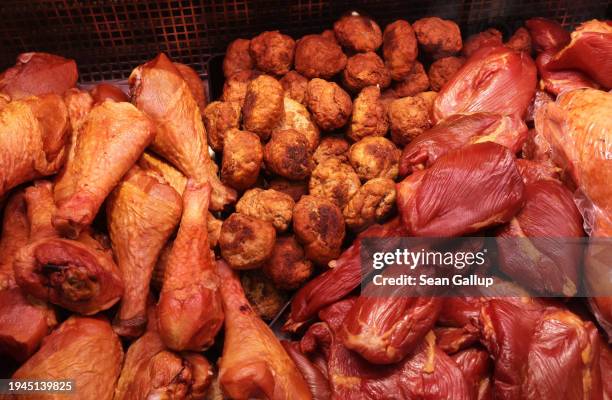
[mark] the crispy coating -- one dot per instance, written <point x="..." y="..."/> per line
<point x="288" y="154"/>
<point x="520" y="41"/>
<point x="318" y="57"/>
<point x="408" y="117"/>
<point x="319" y="225"/>
<point x="330" y="35"/>
<point x="416" y="82"/>
<point x="439" y="37"/>
<point x="365" y="69"/>
<point x="331" y="147"/>
<point x="372" y="203"/>
<point x="242" y="158"/>
<point x="329" y="104"/>
<point x="288" y="267"/>
<point x="374" y="157"/>
<point x="369" y="116"/>
<point x="358" y="33"/>
<point x="220" y="117"/>
<point x="264" y="297"/>
<point x="334" y="180"/>
<point x="400" y="49"/>
<point x="267" y="205"/>
<point x="263" y="106"/>
<point x="490" y="37"/>
<point x="237" y="58"/>
<point x="214" y="230"/>
<point x="295" y="189"/>
<point x="246" y="242"/>
<point x="272" y="52"/>
<point x="297" y="117"/>
<point x="442" y="70"/>
<point x="295" y="86"/>
<point x="235" y="87"/>
<point x="428" y="98"/>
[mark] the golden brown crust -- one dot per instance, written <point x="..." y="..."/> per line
<point x="263" y="106"/>
<point x="267" y="205"/>
<point x="439" y="37"/>
<point x="246" y="242"/>
<point x="263" y="295"/>
<point x="399" y="49"/>
<point x="365" y="69"/>
<point x="369" y="116"/>
<point x="235" y="87"/>
<point x="237" y="58"/>
<point x="416" y="82"/>
<point x="442" y="70"/>
<point x="219" y="117"/>
<point x="297" y="117"/>
<point x="329" y="104"/>
<point x="295" y="189"/>
<point x="242" y="158"/>
<point x="408" y="117"/>
<point x="358" y="33"/>
<point x="295" y="86"/>
<point x="375" y="157"/>
<point x="372" y="203"/>
<point x="272" y="52"/>
<point x="334" y="180"/>
<point x="288" y="267"/>
<point x="331" y="147"/>
<point x="316" y="56"/>
<point x="288" y="154"/>
<point x="319" y="226"/>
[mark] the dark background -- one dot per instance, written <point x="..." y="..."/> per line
<point x="108" y="38"/>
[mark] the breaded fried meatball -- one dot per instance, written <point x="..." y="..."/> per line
<point x="437" y="36"/>
<point x="295" y="86"/>
<point x="369" y="117"/>
<point x="288" y="267"/>
<point x="428" y="98"/>
<point x="372" y="203"/>
<point x="400" y="49"/>
<point x="408" y="117"/>
<point x="237" y="58"/>
<point x="330" y="35"/>
<point x="334" y="180"/>
<point x="490" y="37"/>
<point x="295" y="189"/>
<point x="442" y="70"/>
<point x="288" y="154"/>
<point x="272" y="52"/>
<point x="374" y="157"/>
<point x="242" y="158"/>
<point x="319" y="225"/>
<point x="329" y="104"/>
<point x="264" y="297"/>
<point x="318" y="57"/>
<point x="219" y="117"/>
<point x="365" y="69"/>
<point x="235" y="87"/>
<point x="263" y="106"/>
<point x="520" y="41"/>
<point x="331" y="147"/>
<point x="416" y="82"/>
<point x="297" y="117"/>
<point x="358" y="33"/>
<point x="267" y="205"/>
<point x="246" y="242"/>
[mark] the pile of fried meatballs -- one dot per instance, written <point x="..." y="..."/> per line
<point x="311" y="132"/>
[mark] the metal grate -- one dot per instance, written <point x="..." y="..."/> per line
<point x="108" y="38"/>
